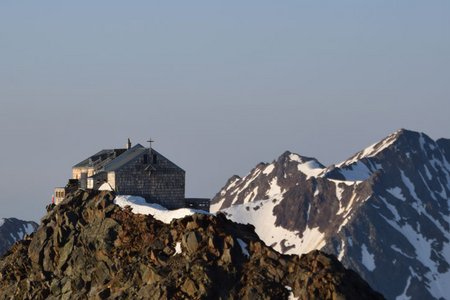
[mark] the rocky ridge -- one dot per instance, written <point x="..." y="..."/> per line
<point x="89" y="248"/>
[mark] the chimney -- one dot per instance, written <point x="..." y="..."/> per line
<point x="128" y="144"/>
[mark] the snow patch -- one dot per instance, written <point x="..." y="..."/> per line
<point x="346" y="182"/>
<point x="260" y="214"/>
<point x="368" y="259"/>
<point x="2" y="221"/>
<point x="178" y="249"/>
<point x="350" y="241"/>
<point x="232" y="184"/>
<point x="291" y="294"/>
<point x="422" y="142"/>
<point x="392" y="209"/>
<point x="29" y="229"/>
<point x="268" y="169"/>
<point x="403" y="295"/>
<point x="409" y="185"/>
<point x="372" y="150"/>
<point x="275" y="189"/>
<point x="312" y="239"/>
<point x="308" y="212"/>
<point x="431" y="192"/>
<point x="356" y="172"/>
<point x="347" y="210"/>
<point x="397" y="193"/>
<point x="250" y="196"/>
<point x="341" y="253"/>
<point x="140" y="206"/>
<point x="105" y="187"/>
<point x="397" y="249"/>
<point x="438" y="282"/>
<point x="310" y="168"/>
<point x="216" y="206"/>
<point x="339" y="191"/>
<point x="247" y="180"/>
<point x="296" y="157"/>
<point x="316" y="192"/>
<point x="243" y="247"/>
<point x="427" y="172"/>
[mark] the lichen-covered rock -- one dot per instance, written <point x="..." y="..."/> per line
<point x="89" y="248"/>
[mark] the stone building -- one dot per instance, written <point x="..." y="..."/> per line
<point x="137" y="171"/>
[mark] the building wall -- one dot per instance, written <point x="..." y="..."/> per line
<point x="198" y="203"/>
<point x="97" y="180"/>
<point x="112" y="179"/>
<point x="165" y="185"/>
<point x="59" y="195"/>
<point x="76" y="172"/>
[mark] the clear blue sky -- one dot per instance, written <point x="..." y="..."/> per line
<point x="220" y="85"/>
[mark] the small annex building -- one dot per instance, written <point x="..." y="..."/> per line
<point x="137" y="171"/>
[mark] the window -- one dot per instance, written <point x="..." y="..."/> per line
<point x="155" y="158"/>
<point x="145" y="158"/>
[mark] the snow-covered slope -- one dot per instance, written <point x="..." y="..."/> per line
<point x="140" y="206"/>
<point x="385" y="212"/>
<point x="12" y="230"/>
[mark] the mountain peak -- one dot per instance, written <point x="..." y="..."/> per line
<point x="295" y="157"/>
<point x="379" y="146"/>
<point x="388" y="205"/>
<point x="399" y="147"/>
<point x="12" y="230"/>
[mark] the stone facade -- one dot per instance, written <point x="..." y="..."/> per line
<point x="59" y="195"/>
<point x="61" y="192"/>
<point x="159" y="181"/>
<point x="77" y="172"/>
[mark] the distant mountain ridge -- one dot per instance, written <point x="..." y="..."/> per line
<point x="12" y="230"/>
<point x="385" y="212"/>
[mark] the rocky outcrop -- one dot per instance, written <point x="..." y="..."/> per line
<point x="12" y="230"/>
<point x="89" y="248"/>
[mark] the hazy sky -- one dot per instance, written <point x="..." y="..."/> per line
<point x="220" y="85"/>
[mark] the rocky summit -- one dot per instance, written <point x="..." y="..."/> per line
<point x="384" y="212"/>
<point x="89" y="248"/>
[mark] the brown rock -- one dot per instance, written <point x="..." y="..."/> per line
<point x="189" y="287"/>
<point x="191" y="241"/>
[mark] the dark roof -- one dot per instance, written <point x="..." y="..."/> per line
<point x="103" y="154"/>
<point x="125" y="158"/>
<point x="112" y="159"/>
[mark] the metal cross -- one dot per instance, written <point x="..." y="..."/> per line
<point x="150" y="141"/>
